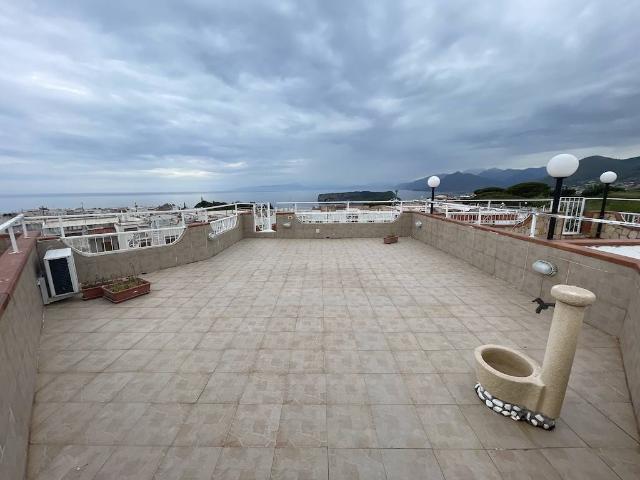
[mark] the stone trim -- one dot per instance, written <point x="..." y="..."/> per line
<point x="514" y="412"/>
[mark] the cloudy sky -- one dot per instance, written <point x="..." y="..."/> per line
<point x="202" y="94"/>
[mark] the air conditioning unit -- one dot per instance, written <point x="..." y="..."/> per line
<point x="62" y="279"/>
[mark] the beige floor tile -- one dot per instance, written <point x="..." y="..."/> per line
<point x="200" y="361"/>
<point x="112" y="423"/>
<point x="159" y="425"/>
<point x="377" y="362"/>
<point x="206" y="426"/>
<point x="594" y="428"/>
<point x="398" y="426"/>
<point x="65" y="425"/>
<point x="447" y="427"/>
<point x="405" y="464"/>
<point x="624" y="461"/>
<point x="306" y="361"/>
<point x="244" y="463"/>
<point x="467" y="465"/>
<point x="523" y="465"/>
<point x="254" y="426"/>
<point x="143" y="387"/>
<point x="349" y="464"/>
<point x="495" y="431"/>
<point x="224" y="388"/>
<point x="75" y="461"/>
<point x="578" y="464"/>
<point x="134" y="463"/>
<point x="306" y="388"/>
<point x="183" y="388"/>
<point x="194" y="463"/>
<point x="303" y="426"/>
<point x="300" y="464"/>
<point x="427" y="389"/>
<point x="265" y="388"/>
<point x="387" y="389"/>
<point x="104" y="387"/>
<point x="350" y="426"/>
<point x="347" y="389"/>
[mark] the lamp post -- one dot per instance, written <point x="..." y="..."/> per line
<point x="433" y="182"/>
<point x="607" y="178"/>
<point x="559" y="167"/>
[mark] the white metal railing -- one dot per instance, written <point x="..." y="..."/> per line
<point x="8" y="226"/>
<point x="262" y="220"/>
<point x="113" y="242"/>
<point x="630" y="217"/>
<point x="350" y="216"/>
<point x="222" y="225"/>
<point x="63" y="225"/>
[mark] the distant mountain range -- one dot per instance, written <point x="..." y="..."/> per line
<point x="589" y="171"/>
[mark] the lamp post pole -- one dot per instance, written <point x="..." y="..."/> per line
<point x="433" y="196"/>
<point x="559" y="167"/>
<point x="433" y="182"/>
<point x="607" y="178"/>
<point x="554" y="208"/>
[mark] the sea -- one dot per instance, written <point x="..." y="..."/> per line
<point x="16" y="203"/>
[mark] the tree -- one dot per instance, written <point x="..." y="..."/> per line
<point x="480" y="191"/>
<point x="529" y="190"/>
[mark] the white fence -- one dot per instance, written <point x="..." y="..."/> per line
<point x="350" y="216"/>
<point x="8" y="226"/>
<point x="106" y="243"/>
<point x="222" y="225"/>
<point x="631" y="217"/>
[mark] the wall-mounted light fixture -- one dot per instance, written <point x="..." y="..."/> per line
<point x="286" y="224"/>
<point x="418" y="224"/>
<point x="544" y="268"/>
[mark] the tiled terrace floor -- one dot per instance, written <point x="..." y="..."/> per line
<point x="340" y="359"/>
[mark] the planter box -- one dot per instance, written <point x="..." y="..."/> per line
<point x="94" y="291"/>
<point x="142" y="288"/>
<point x="391" y="239"/>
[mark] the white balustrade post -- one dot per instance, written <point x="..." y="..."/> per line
<point x="25" y="232"/>
<point x="182" y="218"/>
<point x="534" y="220"/>
<point x="489" y="204"/>
<point x="12" y="237"/>
<point x="446" y="210"/>
<point x="269" y="215"/>
<point x="348" y="204"/>
<point x="479" y="221"/>
<point x="236" y="208"/>
<point x="61" y="227"/>
<point x="295" y="207"/>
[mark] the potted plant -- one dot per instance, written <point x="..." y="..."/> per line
<point x="94" y="289"/>
<point x="392" y="238"/>
<point x="126" y="289"/>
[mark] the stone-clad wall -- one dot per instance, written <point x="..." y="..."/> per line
<point x="194" y="246"/>
<point x="20" y="322"/>
<point x="509" y="257"/>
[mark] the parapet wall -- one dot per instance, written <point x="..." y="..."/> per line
<point x="614" y="280"/>
<point x="21" y="313"/>
<point x="297" y="229"/>
<point x="194" y="246"/>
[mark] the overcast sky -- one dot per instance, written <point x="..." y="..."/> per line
<point x="192" y="95"/>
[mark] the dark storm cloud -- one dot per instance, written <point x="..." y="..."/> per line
<point x="152" y="94"/>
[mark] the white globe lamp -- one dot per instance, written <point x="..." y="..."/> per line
<point x="608" y="177"/>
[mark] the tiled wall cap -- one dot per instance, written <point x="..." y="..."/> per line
<point x="576" y="296"/>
